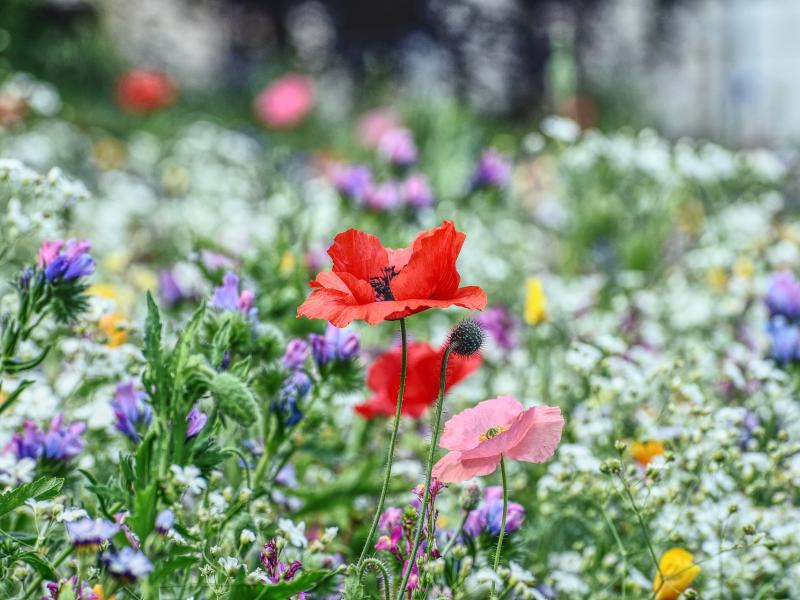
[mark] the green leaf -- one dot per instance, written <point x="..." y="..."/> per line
<point x="11" y="365"/>
<point x="221" y="343"/>
<point x="143" y="515"/>
<point x="13" y="396"/>
<point x="40" y="564"/>
<point x="168" y="567"/>
<point x="235" y="399"/>
<point x="43" y="488"/>
<point x="305" y="582"/>
<point x="152" y="332"/>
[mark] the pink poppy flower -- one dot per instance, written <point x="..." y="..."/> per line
<point x="285" y="102"/>
<point x="478" y="436"/>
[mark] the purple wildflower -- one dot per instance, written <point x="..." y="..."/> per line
<point x="128" y="564"/>
<point x="489" y="515"/>
<point x="91" y="533"/>
<point x="397" y="147"/>
<point x="28" y="443"/>
<point x="296" y="353"/>
<point x="59" y="442"/>
<point x="227" y="296"/>
<point x="65" y="261"/>
<point x="294" y="389"/>
<point x="785" y="339"/>
<point x="196" y="420"/>
<point x="416" y="191"/>
<point x="501" y="326"/>
<point x="335" y="345"/>
<point x="131" y="410"/>
<point x="390" y="518"/>
<point x="164" y="521"/>
<point x="783" y="296"/>
<point x="169" y="289"/>
<point x="79" y="590"/>
<point x="276" y="570"/>
<point x="351" y="181"/>
<point x="383" y="197"/>
<point x="492" y="171"/>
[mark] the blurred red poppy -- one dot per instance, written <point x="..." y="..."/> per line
<point x="142" y="91"/>
<point x="372" y="283"/>
<point x="422" y="380"/>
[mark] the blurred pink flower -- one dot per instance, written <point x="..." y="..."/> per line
<point x="478" y="436"/>
<point x="373" y="124"/>
<point x="285" y="102"/>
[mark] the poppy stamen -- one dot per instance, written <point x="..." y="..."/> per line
<point x="380" y="284"/>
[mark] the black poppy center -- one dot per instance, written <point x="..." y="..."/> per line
<point x="380" y="284"/>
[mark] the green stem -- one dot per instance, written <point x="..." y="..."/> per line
<point x="503" y="520"/>
<point x="643" y="526"/>
<point x="392" y="440"/>
<point x="387" y="582"/>
<point x="428" y="473"/>
<point x="457" y="533"/>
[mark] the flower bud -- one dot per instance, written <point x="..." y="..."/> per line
<point x="466" y="338"/>
<point x="470" y="496"/>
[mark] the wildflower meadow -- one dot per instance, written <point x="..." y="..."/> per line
<point x="270" y="350"/>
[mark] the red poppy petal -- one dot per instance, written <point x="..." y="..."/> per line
<point x="431" y="270"/>
<point x="327" y="279"/>
<point x="328" y="304"/>
<point x="362" y="291"/>
<point x="358" y="253"/>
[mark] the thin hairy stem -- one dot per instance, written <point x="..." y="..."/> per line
<point x="387" y="581"/>
<point x="392" y="440"/>
<point x="502" y="520"/>
<point x="428" y="472"/>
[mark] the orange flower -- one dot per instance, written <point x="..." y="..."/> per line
<point x="113" y="327"/>
<point x="646" y="451"/>
<point x="372" y="283"/>
<point x="678" y="572"/>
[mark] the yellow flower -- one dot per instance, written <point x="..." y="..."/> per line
<point x="743" y="268"/>
<point x="288" y="263"/>
<point x="535" y="302"/>
<point x="678" y="572"/>
<point x="98" y="589"/>
<point x="104" y="290"/>
<point x="644" y="452"/>
<point x="113" y="327"/>
<point x="717" y="278"/>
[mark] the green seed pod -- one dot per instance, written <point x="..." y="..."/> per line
<point x="235" y="399"/>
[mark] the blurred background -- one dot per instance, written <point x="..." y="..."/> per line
<point x="721" y="69"/>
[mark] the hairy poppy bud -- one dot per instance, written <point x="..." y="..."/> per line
<point x="466" y="338"/>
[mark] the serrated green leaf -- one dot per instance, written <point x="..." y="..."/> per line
<point x="143" y="515"/>
<point x="152" y="332"/>
<point x="43" y="488"/>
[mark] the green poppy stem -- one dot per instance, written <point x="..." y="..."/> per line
<point x="505" y="512"/>
<point x="392" y="440"/>
<point x="428" y="473"/>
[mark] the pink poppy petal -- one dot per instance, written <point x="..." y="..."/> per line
<point x="541" y="441"/>
<point x="464" y="430"/>
<point x="506" y="440"/>
<point x="453" y="469"/>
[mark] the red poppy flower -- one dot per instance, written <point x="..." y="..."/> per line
<point x="372" y="283"/>
<point x="422" y="379"/>
<point x="142" y="91"/>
